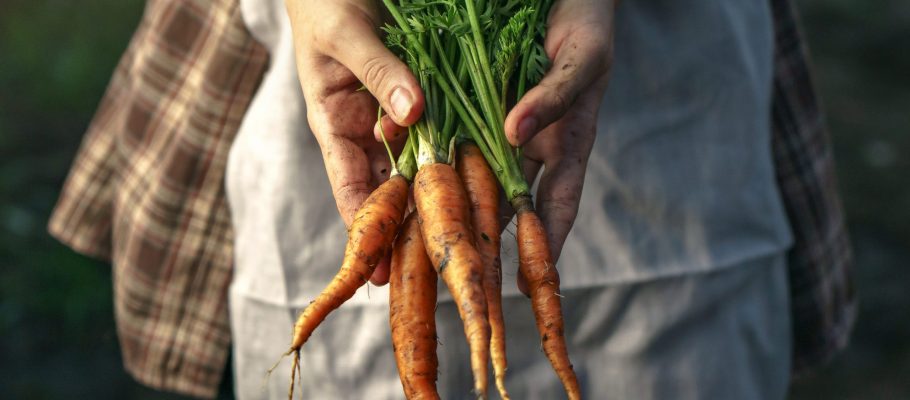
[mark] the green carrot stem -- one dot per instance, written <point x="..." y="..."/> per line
<point x="483" y="55"/>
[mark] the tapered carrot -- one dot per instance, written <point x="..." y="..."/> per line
<point x="480" y="104"/>
<point x="536" y="264"/>
<point x="483" y="193"/>
<point x="369" y="240"/>
<point x="445" y="225"/>
<point x="412" y="308"/>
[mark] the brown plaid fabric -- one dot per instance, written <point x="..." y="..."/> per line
<point x="823" y="303"/>
<point x="146" y="192"/>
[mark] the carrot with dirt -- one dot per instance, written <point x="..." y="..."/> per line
<point x="491" y="81"/>
<point x="490" y="45"/>
<point x="536" y="265"/>
<point x="370" y="239"/>
<point x="483" y="193"/>
<point x="412" y="308"/>
<point x="445" y="226"/>
<point x="442" y="204"/>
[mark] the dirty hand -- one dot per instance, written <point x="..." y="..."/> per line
<point x="556" y="120"/>
<point x="338" y="50"/>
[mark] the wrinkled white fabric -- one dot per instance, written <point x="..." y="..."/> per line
<point x="679" y="186"/>
<point x="723" y="334"/>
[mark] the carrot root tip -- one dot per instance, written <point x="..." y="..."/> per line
<point x="295" y="367"/>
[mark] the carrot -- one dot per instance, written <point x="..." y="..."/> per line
<point x="412" y="308"/>
<point x="498" y="45"/>
<point x="369" y="240"/>
<point x="445" y="225"/>
<point x="535" y="263"/>
<point x="483" y="192"/>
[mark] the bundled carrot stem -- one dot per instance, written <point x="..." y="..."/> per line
<point x="412" y="307"/>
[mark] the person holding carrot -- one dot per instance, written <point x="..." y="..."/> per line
<point x="652" y="126"/>
<point x="683" y="230"/>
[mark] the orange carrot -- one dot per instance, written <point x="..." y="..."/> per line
<point x="536" y="264"/>
<point x="483" y="192"/>
<point x="412" y="309"/>
<point x="369" y="240"/>
<point x="445" y="225"/>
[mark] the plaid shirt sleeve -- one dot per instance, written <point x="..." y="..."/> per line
<point x="823" y="302"/>
<point x="146" y="192"/>
<point x="146" y="189"/>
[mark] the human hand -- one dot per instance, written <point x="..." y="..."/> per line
<point x="556" y="120"/>
<point x="337" y="50"/>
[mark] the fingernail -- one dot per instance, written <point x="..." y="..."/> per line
<point x="401" y="103"/>
<point x="527" y="128"/>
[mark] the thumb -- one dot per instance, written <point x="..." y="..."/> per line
<point x="580" y="62"/>
<point x="384" y="75"/>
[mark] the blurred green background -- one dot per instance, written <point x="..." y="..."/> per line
<point x="57" y="338"/>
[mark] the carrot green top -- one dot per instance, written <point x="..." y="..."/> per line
<point x="466" y="54"/>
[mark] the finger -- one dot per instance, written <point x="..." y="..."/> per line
<point x="349" y="171"/>
<point x="357" y="46"/>
<point x="565" y="148"/>
<point x="581" y="60"/>
<point x="380" y="165"/>
<point x="392" y="131"/>
<point x="381" y="274"/>
<point x="531" y="168"/>
<point x="558" y="197"/>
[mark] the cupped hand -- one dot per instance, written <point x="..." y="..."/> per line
<point x="338" y="50"/>
<point x="556" y="120"/>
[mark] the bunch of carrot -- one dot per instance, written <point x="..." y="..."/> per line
<point x="472" y="58"/>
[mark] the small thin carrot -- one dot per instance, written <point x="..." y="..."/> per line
<point x="412" y="309"/>
<point x="445" y="224"/>
<point x="483" y="193"/>
<point x="536" y="264"/>
<point x="369" y="240"/>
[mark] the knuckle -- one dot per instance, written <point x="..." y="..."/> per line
<point x="566" y="201"/>
<point x="559" y="101"/>
<point x="559" y="209"/>
<point x="375" y="71"/>
<point x="348" y="192"/>
<point x="559" y="97"/>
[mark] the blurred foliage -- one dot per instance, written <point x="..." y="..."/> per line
<point x="861" y="57"/>
<point x="861" y="54"/>
<point x="57" y="337"/>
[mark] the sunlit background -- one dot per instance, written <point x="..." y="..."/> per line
<point x="57" y="338"/>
